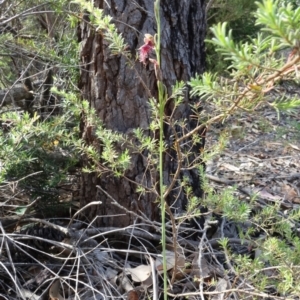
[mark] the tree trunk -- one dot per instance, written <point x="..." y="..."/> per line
<point x="120" y="99"/>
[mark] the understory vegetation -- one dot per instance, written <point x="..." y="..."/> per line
<point x="230" y="243"/>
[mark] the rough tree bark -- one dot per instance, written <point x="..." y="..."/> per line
<point x="115" y="90"/>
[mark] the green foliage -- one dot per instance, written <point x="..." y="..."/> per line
<point x="29" y="149"/>
<point x="281" y="21"/>
<point x="225" y="203"/>
<point x="37" y="151"/>
<point x="254" y="68"/>
<point x="238" y="14"/>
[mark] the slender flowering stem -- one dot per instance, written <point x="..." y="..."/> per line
<point x="153" y="43"/>
<point x="162" y="100"/>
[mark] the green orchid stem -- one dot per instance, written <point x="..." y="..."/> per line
<point x="162" y="100"/>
